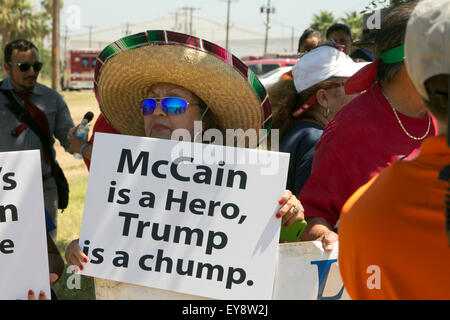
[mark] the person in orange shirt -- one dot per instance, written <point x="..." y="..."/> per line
<point x="394" y="240"/>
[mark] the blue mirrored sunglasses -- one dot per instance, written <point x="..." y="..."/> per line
<point x="25" y="66"/>
<point x="170" y="105"/>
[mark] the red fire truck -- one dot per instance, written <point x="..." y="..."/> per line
<point x="79" y="69"/>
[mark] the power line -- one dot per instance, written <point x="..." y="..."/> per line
<point x="127" y="30"/>
<point x="285" y="25"/>
<point x="293" y="30"/>
<point x="66" y="37"/>
<point x="190" y="24"/>
<point x="228" y="20"/>
<point x="176" y="26"/>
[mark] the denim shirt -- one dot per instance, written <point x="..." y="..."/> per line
<point x="58" y="116"/>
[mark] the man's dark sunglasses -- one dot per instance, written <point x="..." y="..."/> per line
<point x="25" y="66"/>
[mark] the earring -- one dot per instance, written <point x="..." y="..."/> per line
<point x="326" y="112"/>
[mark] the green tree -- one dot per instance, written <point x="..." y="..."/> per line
<point x="48" y="5"/>
<point x="355" y="21"/>
<point x="17" y="20"/>
<point x="45" y="25"/>
<point x="322" y="21"/>
<point x="377" y="4"/>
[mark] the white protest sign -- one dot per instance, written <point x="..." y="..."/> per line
<point x="304" y="272"/>
<point x="23" y="242"/>
<point x="176" y="224"/>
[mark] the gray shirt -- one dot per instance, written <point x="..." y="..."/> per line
<point x="58" y="116"/>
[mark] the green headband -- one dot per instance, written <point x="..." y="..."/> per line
<point x="393" y="55"/>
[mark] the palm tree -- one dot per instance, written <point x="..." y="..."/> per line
<point x="376" y="4"/>
<point x="17" y="20"/>
<point x="48" y="5"/>
<point x="322" y="21"/>
<point x="355" y="21"/>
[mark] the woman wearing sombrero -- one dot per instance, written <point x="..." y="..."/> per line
<point x="152" y="83"/>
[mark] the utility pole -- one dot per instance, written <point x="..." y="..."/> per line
<point x="127" y="31"/>
<point x="66" y="37"/>
<point x="190" y="9"/>
<point x="185" y="9"/>
<point x="56" y="85"/>
<point x="292" y="39"/>
<point x="178" y="26"/>
<point x="267" y="10"/>
<point x="90" y="35"/>
<point x="191" y="30"/>
<point x="190" y="20"/>
<point x="228" y="21"/>
<point x="176" y="20"/>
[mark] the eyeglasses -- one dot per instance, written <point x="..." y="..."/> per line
<point x="170" y="105"/>
<point x="25" y="66"/>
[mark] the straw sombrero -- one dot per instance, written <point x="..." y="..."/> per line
<point x="127" y="68"/>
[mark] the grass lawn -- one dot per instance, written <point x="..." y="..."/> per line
<point x="69" y="225"/>
<point x="69" y="221"/>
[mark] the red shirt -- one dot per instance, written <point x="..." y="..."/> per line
<point x="359" y="142"/>
<point x="101" y="125"/>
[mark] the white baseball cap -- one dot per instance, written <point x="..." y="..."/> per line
<point x="427" y="42"/>
<point x="320" y="64"/>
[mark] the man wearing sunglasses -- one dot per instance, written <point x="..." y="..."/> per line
<point x="45" y="106"/>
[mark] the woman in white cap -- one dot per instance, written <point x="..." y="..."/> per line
<point x="304" y="106"/>
<point x="154" y="82"/>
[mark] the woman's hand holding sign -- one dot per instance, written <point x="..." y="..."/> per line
<point x="74" y="255"/>
<point x="291" y="209"/>
<point x="53" y="278"/>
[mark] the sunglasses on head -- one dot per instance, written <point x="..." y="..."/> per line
<point x="170" y="105"/>
<point x="25" y="66"/>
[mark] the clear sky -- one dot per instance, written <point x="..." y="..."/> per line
<point x="244" y="13"/>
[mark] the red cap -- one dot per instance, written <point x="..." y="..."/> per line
<point x="363" y="79"/>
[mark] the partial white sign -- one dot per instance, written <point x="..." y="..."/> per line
<point x="23" y="242"/>
<point x="305" y="271"/>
